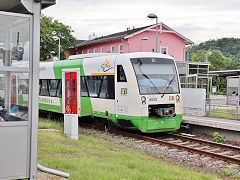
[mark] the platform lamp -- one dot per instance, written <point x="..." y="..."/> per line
<point x="142" y="39"/>
<point x="208" y="54"/>
<point x="153" y="16"/>
<point x="55" y="38"/>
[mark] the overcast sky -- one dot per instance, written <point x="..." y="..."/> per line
<point x="198" y="20"/>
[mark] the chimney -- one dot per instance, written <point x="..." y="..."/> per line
<point x="93" y="36"/>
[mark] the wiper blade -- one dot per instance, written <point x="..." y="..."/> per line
<point x="168" y="86"/>
<point x="140" y="63"/>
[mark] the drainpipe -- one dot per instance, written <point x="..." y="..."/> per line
<point x="127" y="44"/>
<point x="52" y="171"/>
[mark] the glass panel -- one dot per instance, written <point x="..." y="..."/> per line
<point x="14" y="41"/>
<point x="192" y="71"/>
<point x="68" y="92"/>
<point x="2" y="95"/>
<point x="192" y="66"/>
<point x="17" y="108"/>
<point x="202" y="71"/>
<point x="74" y="92"/>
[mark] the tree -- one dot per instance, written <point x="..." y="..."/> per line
<point x="48" y="44"/>
<point x="217" y="60"/>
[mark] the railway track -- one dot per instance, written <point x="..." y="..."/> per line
<point x="221" y="153"/>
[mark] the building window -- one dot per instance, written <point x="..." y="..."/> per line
<point x="112" y="49"/>
<point x="102" y="49"/>
<point x="82" y="51"/>
<point x="120" y="48"/>
<point x="164" y="50"/>
<point x="95" y="50"/>
<point x="88" y="51"/>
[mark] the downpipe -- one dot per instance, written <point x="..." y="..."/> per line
<point x="52" y="171"/>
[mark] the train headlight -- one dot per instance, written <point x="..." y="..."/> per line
<point x="177" y="98"/>
<point x="143" y="99"/>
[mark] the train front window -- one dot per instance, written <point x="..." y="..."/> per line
<point x="156" y="75"/>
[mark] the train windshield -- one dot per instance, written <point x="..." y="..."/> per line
<point x="156" y="75"/>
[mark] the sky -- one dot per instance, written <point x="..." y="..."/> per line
<point x="198" y="20"/>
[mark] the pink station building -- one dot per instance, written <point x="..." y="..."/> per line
<point x="141" y="39"/>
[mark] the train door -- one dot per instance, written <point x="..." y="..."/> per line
<point x="71" y="91"/>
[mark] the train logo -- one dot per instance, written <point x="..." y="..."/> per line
<point x="106" y="66"/>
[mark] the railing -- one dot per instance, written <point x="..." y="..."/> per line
<point x="223" y="107"/>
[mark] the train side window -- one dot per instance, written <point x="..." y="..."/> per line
<point x="93" y="84"/>
<point x="44" y="91"/>
<point x="121" y="77"/>
<point x="111" y="87"/>
<point x="53" y="87"/>
<point x="59" y="88"/>
<point x="84" y="91"/>
<point x="107" y="88"/>
<point x="104" y="90"/>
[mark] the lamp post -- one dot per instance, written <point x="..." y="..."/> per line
<point x="142" y="39"/>
<point x="153" y="16"/>
<point x="208" y="54"/>
<point x="55" y="38"/>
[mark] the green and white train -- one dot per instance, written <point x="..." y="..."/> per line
<point x="135" y="90"/>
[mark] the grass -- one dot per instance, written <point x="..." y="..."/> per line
<point x="224" y="113"/>
<point x="94" y="157"/>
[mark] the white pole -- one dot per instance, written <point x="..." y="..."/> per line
<point x="58" y="48"/>
<point x="156" y="35"/>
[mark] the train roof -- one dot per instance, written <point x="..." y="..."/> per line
<point x="129" y="55"/>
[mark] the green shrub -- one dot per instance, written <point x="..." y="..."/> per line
<point x="218" y="137"/>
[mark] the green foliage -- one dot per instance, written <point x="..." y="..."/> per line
<point x="217" y="59"/>
<point x="48" y="44"/>
<point x="230" y="47"/>
<point x="229" y="171"/>
<point x="218" y="137"/>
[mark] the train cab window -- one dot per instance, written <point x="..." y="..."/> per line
<point x="121" y="77"/>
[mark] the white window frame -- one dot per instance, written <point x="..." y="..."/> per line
<point x="101" y="49"/>
<point x="164" y="47"/>
<point x="82" y="51"/>
<point x="119" y="48"/>
<point x="112" y="51"/>
<point x="88" y="51"/>
<point x="95" y="50"/>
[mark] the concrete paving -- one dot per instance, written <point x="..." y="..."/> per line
<point x="227" y="124"/>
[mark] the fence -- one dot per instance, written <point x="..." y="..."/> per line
<point x="218" y="106"/>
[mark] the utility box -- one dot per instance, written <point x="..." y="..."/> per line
<point x="19" y="69"/>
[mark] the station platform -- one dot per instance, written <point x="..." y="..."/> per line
<point x="227" y="124"/>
